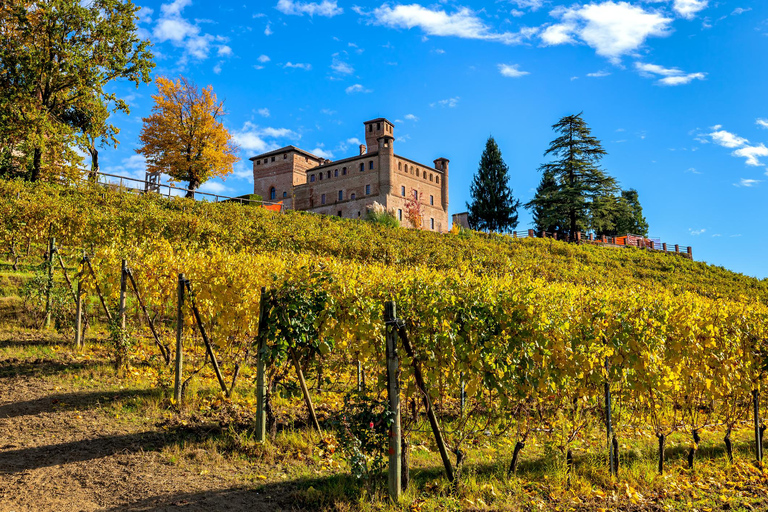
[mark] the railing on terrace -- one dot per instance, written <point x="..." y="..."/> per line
<point x="150" y="185"/>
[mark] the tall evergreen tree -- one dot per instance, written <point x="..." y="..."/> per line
<point x="577" y="175"/>
<point x="630" y="219"/>
<point x="493" y="207"/>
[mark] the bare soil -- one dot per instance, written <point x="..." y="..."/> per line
<point x="60" y="450"/>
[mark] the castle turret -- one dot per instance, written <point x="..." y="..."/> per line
<point x="375" y="129"/>
<point x="441" y="164"/>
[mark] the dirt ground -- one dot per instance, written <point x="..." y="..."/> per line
<point x="58" y="453"/>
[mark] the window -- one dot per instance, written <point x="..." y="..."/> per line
<point x="352" y="196"/>
<point x="400" y="215"/>
<point x="272" y="193"/>
<point x="432" y="223"/>
<point x="367" y="190"/>
<point x="285" y="194"/>
<point x="370" y="127"/>
<point x="336" y="173"/>
<point x="312" y="177"/>
<point x="417" y="172"/>
<point x="402" y="191"/>
<point x="437" y="179"/>
<point x="431" y="176"/>
<point x="378" y="126"/>
<point x="341" y="195"/>
<point x="415" y="194"/>
<point x="432" y="200"/>
<point x="258" y="162"/>
<point x="339" y="213"/>
<point x="320" y="176"/>
<point x="329" y="174"/>
<point x="370" y="164"/>
<point x="285" y="156"/>
<point x="343" y="171"/>
<point x="399" y="166"/>
<point x="322" y="199"/>
<point x="273" y="159"/>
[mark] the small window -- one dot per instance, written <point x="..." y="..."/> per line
<point x="312" y="177"/>
<point x="285" y="156"/>
<point x="320" y="176"/>
<point x="341" y="195"/>
<point x="432" y="200"/>
<point x="322" y="199"/>
<point x="336" y="173"/>
<point x="402" y="191"/>
<point x="415" y="194"/>
<point x="272" y="193"/>
<point x="329" y="174"/>
<point x="400" y="215"/>
<point x="343" y="171"/>
<point x="362" y="166"/>
<point x="431" y="176"/>
<point x="432" y="223"/>
<point x="370" y="164"/>
<point x="399" y="166"/>
<point x="258" y="162"/>
<point x="306" y="159"/>
<point x="273" y="159"/>
<point x="437" y="179"/>
<point x="339" y="214"/>
<point x="378" y="126"/>
<point x="370" y="127"/>
<point x="352" y="196"/>
<point x="358" y="214"/>
<point x="367" y="190"/>
<point x="285" y="194"/>
<point x="417" y="172"/>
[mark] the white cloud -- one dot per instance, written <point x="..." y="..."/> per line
<point x="736" y="11"/>
<point x="745" y="182"/>
<point x="215" y="187"/>
<point x="696" y="232"/>
<point x="254" y="138"/>
<point x="352" y="89"/>
<point x="411" y="117"/>
<point x="325" y="8"/>
<point x="175" y="30"/>
<point x="322" y="153"/>
<point x="762" y="123"/>
<point x="174" y="8"/>
<point x="298" y="65"/>
<point x="340" y="66"/>
<point x="511" y="70"/>
<point x="268" y="29"/>
<point x="727" y="139"/>
<point x="217" y="68"/>
<point x="450" y="102"/>
<point x="224" y="51"/>
<point x="671" y="76"/>
<point x="354" y="140"/>
<point x="689" y="8"/>
<point x="598" y="74"/>
<point x="263" y="59"/>
<point x="612" y="28"/>
<point x="752" y="154"/>
<point x="463" y="23"/>
<point x="263" y="112"/>
<point x="528" y="4"/>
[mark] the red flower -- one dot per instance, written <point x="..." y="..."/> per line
<point x="371" y="425"/>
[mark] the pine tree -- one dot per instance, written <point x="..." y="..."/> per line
<point x="493" y="207"/>
<point x="546" y="212"/>
<point x="579" y="180"/>
<point x="630" y="219"/>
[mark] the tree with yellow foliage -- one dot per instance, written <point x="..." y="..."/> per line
<point x="184" y="137"/>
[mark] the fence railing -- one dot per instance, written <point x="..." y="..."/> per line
<point x="146" y="186"/>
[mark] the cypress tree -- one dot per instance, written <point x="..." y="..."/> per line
<point x="493" y="207"/>
<point x="579" y="180"/>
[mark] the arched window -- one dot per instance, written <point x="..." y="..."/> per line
<point x="417" y="172"/>
<point x="285" y="194"/>
<point x="272" y="193"/>
<point x="352" y="196"/>
<point x="437" y="179"/>
<point x="430" y="177"/>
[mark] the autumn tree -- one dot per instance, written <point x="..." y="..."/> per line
<point x="56" y="59"/>
<point x="184" y="137"/>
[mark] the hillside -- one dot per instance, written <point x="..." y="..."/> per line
<point x="91" y="216"/>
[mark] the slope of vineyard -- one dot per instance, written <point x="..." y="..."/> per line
<point x="88" y="217"/>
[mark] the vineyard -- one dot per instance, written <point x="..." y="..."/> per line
<point x="592" y="361"/>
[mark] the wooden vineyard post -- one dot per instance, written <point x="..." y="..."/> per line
<point x="163" y="349"/>
<point x="431" y="416"/>
<point x="261" y="388"/>
<point x="608" y="423"/>
<point x="179" y="332"/>
<point x="49" y="283"/>
<point x="305" y="390"/>
<point x="393" y="389"/>
<point x="758" y="436"/>
<point x="79" y="306"/>
<point x="123" y="288"/>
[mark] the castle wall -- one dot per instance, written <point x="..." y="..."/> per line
<point x="283" y="171"/>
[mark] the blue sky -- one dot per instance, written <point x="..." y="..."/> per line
<point x="675" y="89"/>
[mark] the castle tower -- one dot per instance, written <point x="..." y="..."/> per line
<point x="374" y="130"/>
<point x="441" y="164"/>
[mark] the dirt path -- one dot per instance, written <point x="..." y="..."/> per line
<point x="59" y="451"/>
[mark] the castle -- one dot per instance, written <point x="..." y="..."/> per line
<point x="345" y="188"/>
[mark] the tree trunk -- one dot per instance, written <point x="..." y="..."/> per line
<point x="662" y="445"/>
<point x="568" y="468"/>
<point x="94" y="175"/>
<point x="405" y="456"/>
<point x="515" y="458"/>
<point x="36" y="161"/>
<point x="615" y="442"/>
<point x="728" y="445"/>
<point x="193" y="185"/>
<point x="694" y="448"/>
